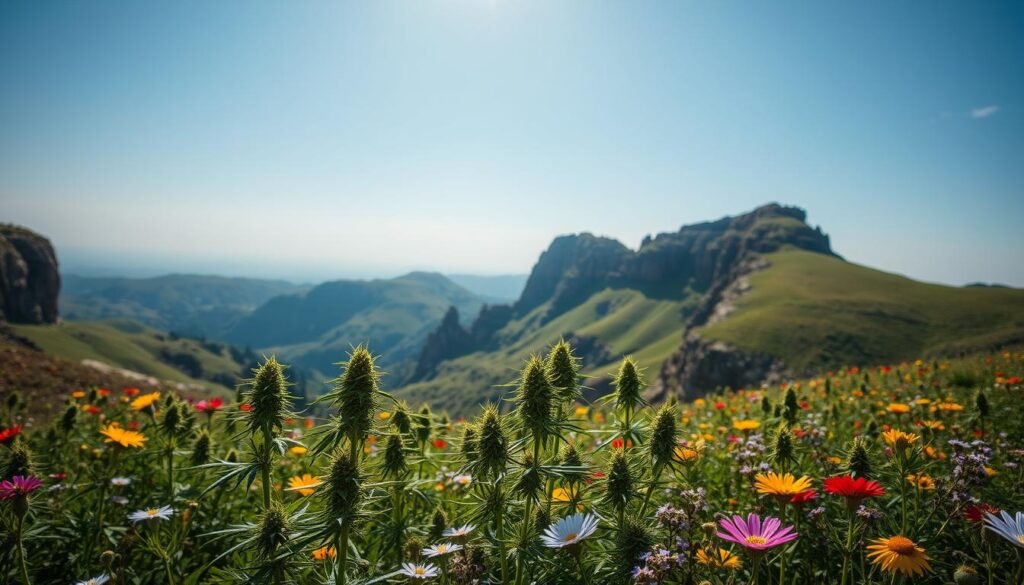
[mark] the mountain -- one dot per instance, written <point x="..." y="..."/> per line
<point x="188" y="304"/>
<point x="503" y="288"/>
<point x="316" y="328"/>
<point x="737" y="301"/>
<point x="29" y="279"/>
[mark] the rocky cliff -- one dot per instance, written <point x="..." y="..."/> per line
<point x="29" y="280"/>
<point x="708" y="259"/>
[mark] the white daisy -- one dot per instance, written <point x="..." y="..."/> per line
<point x="463" y="479"/>
<point x="120" y="481"/>
<point x="1009" y="527"/>
<point x="460" y="532"/>
<point x="151" y="514"/>
<point x="439" y="550"/>
<point x="119" y="500"/>
<point x="569" y="530"/>
<point x="423" y="572"/>
<point x="95" y="580"/>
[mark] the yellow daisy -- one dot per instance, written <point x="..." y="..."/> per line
<point x="305" y="484"/>
<point x="123" y="437"/>
<point x="722" y="560"/>
<point x="899" y="439"/>
<point x="745" y="425"/>
<point x="899" y="554"/>
<point x="774" y="484"/>
<point x="145" y="400"/>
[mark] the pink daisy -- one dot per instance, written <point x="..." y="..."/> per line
<point x="754" y="534"/>
<point x="19" y="485"/>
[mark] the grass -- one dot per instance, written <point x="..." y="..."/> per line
<point x="625" y="320"/>
<point x="131" y="346"/>
<point x="818" y="311"/>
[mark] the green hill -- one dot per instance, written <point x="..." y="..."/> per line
<point x="316" y="329"/>
<point x="816" y="311"/>
<point x="189" y="304"/>
<point x="131" y="346"/>
<point x="744" y="300"/>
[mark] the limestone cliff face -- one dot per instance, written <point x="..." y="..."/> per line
<point x="29" y="280"/>
<point x="449" y="340"/>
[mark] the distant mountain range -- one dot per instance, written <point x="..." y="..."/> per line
<point x="739" y="301"/>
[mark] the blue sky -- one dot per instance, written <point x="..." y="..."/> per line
<point x="312" y="140"/>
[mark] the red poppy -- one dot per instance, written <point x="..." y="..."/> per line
<point x="719" y="405"/>
<point x="804" y="497"/>
<point x="92" y="409"/>
<point x="854" y="489"/>
<point x="440" y="444"/>
<point x="130" y="390"/>
<point x="246" y="406"/>
<point x="7" y="435"/>
<point x="215" y="403"/>
<point x="976" y="512"/>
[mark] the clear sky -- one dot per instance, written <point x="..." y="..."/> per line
<point x="327" y="139"/>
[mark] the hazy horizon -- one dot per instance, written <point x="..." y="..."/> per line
<point x="326" y="140"/>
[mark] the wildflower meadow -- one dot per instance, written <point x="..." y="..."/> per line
<point x="909" y="473"/>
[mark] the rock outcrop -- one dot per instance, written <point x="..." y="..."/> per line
<point x="447" y="341"/>
<point x="29" y="279"/>
<point x="712" y="259"/>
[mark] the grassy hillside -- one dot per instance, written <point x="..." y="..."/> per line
<point x="813" y="311"/>
<point x="131" y="346"/>
<point x="622" y="321"/>
<point x="316" y="329"/>
<point x="190" y="304"/>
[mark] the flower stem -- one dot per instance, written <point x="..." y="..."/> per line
<point x="21" y="550"/>
<point x="848" y="551"/>
<point x="267" y="447"/>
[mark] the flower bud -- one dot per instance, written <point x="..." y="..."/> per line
<point x="535" y="396"/>
<point x="628" y="384"/>
<point x="563" y="370"/>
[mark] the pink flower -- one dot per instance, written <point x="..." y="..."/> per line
<point x="201" y="406"/>
<point x="753" y="534"/>
<point x="19" y="485"/>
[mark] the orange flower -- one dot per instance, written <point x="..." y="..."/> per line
<point x="305" y="484"/>
<point x="145" y="400"/>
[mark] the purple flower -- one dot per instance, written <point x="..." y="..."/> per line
<point x="19" y="485"/>
<point x="755" y="535"/>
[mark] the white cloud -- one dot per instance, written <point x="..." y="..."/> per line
<point x="984" y="112"/>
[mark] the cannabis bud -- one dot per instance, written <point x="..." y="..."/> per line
<point x="619" y="487"/>
<point x="663" y="438"/>
<point x="563" y="369"/>
<point x="628" y="384"/>
<point x="269" y="398"/>
<point x="858" y="461"/>
<point x="783" y="451"/>
<point x="535" y="396"/>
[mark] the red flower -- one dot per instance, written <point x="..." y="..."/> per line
<point x="976" y="512"/>
<point x="805" y="405"/>
<point x="440" y="444"/>
<point x="719" y="405"/>
<point x="60" y="476"/>
<point x="7" y="435"/>
<point x="134" y="425"/>
<point x="854" y="489"/>
<point x="215" y="403"/>
<point x="1013" y="380"/>
<point x="92" y="409"/>
<point x="246" y="406"/>
<point x="619" y="443"/>
<point x="130" y="390"/>
<point x="103" y="392"/>
<point x="804" y="497"/>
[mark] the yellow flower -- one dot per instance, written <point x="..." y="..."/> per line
<point x="834" y="460"/>
<point x="297" y="450"/>
<point x="78" y="394"/>
<point x="582" y="411"/>
<point x="991" y="471"/>
<point x="950" y="407"/>
<point x="899" y="439"/>
<point x="923" y="401"/>
<point x="899" y="554"/>
<point x="439" y="487"/>
<point x="383" y="415"/>
<point x="934" y="425"/>
<point x="145" y="400"/>
<point x="305" y="484"/>
<point x="898" y="408"/>
<point x="323" y="552"/>
<point x="563" y="495"/>
<point x="933" y="453"/>
<point x="723" y="560"/>
<point x="123" y="437"/>
<point x="924" y="482"/>
<point x="774" y="484"/>
<point x="745" y="425"/>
